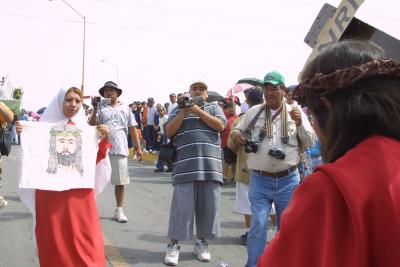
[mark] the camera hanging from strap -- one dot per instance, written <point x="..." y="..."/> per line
<point x="247" y="131"/>
<point x="268" y="123"/>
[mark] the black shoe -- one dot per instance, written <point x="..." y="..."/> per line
<point x="243" y="239"/>
<point x="158" y="170"/>
<point x="168" y="170"/>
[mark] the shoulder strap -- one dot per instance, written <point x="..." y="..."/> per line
<point x="254" y="120"/>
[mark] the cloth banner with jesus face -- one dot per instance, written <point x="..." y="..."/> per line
<point x="57" y="156"/>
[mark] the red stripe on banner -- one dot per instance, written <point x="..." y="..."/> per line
<point x="102" y="152"/>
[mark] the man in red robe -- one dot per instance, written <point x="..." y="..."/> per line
<point x="347" y="213"/>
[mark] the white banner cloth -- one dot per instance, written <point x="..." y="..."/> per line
<point x="57" y="156"/>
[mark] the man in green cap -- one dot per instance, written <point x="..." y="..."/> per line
<point x="269" y="133"/>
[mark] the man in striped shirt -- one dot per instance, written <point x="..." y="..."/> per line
<point x="197" y="174"/>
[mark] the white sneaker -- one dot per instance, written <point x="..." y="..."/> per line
<point x="119" y="216"/>
<point x="3" y="202"/>
<point x="172" y="255"/>
<point x="201" y="250"/>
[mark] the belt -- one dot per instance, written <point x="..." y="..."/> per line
<point x="276" y="174"/>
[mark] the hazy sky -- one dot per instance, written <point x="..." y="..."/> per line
<point x="160" y="46"/>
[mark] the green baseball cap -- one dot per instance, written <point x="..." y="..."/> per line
<point x="274" y="77"/>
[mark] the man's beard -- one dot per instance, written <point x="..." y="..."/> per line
<point x="66" y="159"/>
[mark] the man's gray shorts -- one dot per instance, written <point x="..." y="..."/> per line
<point x="119" y="170"/>
<point x="196" y="199"/>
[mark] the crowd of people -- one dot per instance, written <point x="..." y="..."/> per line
<point x="345" y="112"/>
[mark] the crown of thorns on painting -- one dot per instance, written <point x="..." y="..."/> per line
<point x="65" y="149"/>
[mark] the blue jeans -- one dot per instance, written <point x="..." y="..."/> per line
<point x="149" y="134"/>
<point x="263" y="191"/>
<point x="160" y="163"/>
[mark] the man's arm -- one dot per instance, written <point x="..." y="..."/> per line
<point x="236" y="136"/>
<point x="305" y="131"/>
<point x="6" y="113"/>
<point x="212" y="121"/>
<point x="93" y="117"/>
<point x="172" y="127"/>
<point x="135" y="137"/>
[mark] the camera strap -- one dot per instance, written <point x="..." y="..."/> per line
<point x="254" y="120"/>
<point x="253" y="123"/>
<point x="284" y="123"/>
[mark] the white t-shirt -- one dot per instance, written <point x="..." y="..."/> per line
<point x="162" y="122"/>
<point x="171" y="107"/>
<point x="244" y="107"/>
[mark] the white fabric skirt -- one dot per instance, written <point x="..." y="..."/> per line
<point x="242" y="203"/>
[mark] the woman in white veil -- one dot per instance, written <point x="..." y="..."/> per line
<point x="68" y="230"/>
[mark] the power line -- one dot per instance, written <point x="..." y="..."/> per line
<point x="39" y="17"/>
<point x="232" y="18"/>
<point x="182" y="11"/>
<point x="129" y="27"/>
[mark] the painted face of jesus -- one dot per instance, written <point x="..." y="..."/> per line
<point x="65" y="143"/>
<point x="65" y="147"/>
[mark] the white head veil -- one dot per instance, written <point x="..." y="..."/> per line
<point x="54" y="111"/>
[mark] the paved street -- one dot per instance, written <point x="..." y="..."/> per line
<point x="140" y="242"/>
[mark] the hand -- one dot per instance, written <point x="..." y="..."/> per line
<point x="139" y="154"/>
<point x="18" y="127"/>
<point x="95" y="100"/>
<point x="103" y="129"/>
<point x="237" y="138"/>
<point x="193" y="109"/>
<point x="295" y="114"/>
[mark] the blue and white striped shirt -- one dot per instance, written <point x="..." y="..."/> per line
<point x="199" y="156"/>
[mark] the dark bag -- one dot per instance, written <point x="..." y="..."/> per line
<point x="5" y="141"/>
<point x="167" y="152"/>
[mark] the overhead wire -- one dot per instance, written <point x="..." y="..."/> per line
<point x="129" y="27"/>
<point x="183" y="11"/>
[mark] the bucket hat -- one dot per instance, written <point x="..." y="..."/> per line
<point x="112" y="85"/>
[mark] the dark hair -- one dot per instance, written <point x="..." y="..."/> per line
<point x="255" y="96"/>
<point x="366" y="107"/>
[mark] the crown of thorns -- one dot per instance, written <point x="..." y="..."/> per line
<point x="325" y="84"/>
<point x="75" y="132"/>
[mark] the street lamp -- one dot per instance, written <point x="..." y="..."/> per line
<point x="84" y="41"/>
<point x="115" y="66"/>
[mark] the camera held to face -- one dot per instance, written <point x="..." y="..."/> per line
<point x="277" y="153"/>
<point x="187" y="101"/>
<point x="95" y="100"/>
<point x="251" y="146"/>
